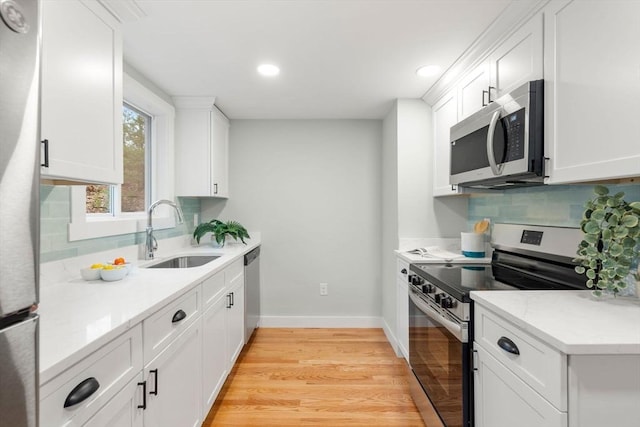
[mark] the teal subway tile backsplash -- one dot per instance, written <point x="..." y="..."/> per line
<point x="55" y="214"/>
<point x="556" y="205"/>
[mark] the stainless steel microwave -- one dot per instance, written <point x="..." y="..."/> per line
<point x="502" y="145"/>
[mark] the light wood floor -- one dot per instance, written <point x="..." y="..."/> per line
<point x="316" y="377"/>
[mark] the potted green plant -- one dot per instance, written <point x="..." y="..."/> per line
<point x="221" y="230"/>
<point x="611" y="241"/>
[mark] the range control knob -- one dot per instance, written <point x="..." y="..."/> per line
<point x="429" y="288"/>
<point x="439" y="297"/>
<point x="447" y="302"/>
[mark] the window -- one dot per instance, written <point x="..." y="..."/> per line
<point x="134" y="193"/>
<point x="102" y="210"/>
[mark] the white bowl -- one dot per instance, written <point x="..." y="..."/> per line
<point x="90" y="273"/>
<point x="117" y="273"/>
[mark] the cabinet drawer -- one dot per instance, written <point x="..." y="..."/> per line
<point x="234" y="270"/>
<point x="110" y="368"/>
<point x="212" y="288"/>
<point x="166" y="324"/>
<point x="540" y="366"/>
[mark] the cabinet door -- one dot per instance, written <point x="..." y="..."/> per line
<point x="519" y="59"/>
<point x="445" y="115"/>
<point x="403" y="317"/>
<point x="592" y="90"/>
<point x="473" y="91"/>
<point x="124" y="410"/>
<point x="503" y="400"/>
<point x="214" y="351"/>
<point x="219" y="154"/>
<point x="192" y="151"/>
<point x="81" y="101"/>
<point x="235" y="319"/>
<point x="174" y="383"/>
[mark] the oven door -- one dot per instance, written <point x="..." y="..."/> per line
<point x="439" y="356"/>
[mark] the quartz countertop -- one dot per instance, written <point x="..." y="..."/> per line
<point x="77" y="317"/>
<point x="574" y="322"/>
<point x="419" y="259"/>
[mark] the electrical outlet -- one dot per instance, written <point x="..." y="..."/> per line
<point x="324" y="289"/>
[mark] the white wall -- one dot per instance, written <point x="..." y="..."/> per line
<point x="312" y="188"/>
<point x="409" y="208"/>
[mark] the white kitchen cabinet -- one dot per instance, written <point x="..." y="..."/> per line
<point x="222" y="328"/>
<point x="473" y="90"/>
<point x="518" y="59"/>
<point x="88" y="385"/>
<point x="174" y="382"/>
<point x="445" y="115"/>
<point x="504" y="400"/>
<point x="202" y="143"/>
<point x="81" y="94"/>
<point x="235" y="317"/>
<point x="592" y="90"/>
<point x="124" y="410"/>
<point x="543" y="387"/>
<point x="402" y="319"/>
<point x="215" y="363"/>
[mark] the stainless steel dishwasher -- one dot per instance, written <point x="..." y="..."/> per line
<point x="252" y="292"/>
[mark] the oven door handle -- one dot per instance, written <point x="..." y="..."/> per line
<point x="455" y="328"/>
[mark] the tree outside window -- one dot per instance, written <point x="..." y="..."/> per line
<point x="133" y="191"/>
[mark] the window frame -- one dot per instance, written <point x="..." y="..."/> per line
<point x="88" y="226"/>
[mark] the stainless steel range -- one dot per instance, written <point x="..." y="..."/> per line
<point x="525" y="257"/>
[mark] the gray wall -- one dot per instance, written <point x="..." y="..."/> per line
<point x="312" y="188"/>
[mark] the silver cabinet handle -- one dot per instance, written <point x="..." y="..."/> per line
<point x="495" y="168"/>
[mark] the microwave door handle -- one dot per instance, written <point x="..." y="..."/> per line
<point x="495" y="168"/>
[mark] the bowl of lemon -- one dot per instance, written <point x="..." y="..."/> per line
<point x="92" y="273"/>
<point x="111" y="272"/>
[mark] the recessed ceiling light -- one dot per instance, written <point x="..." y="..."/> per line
<point x="428" y="70"/>
<point x="268" y="70"/>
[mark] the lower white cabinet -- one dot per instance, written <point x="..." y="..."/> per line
<point x="402" y="299"/>
<point x="222" y="329"/>
<point x="235" y="321"/>
<point x="504" y="400"/>
<point x="214" y="351"/>
<point x="76" y="395"/>
<point x="174" y="384"/>
<point x="124" y="410"/>
<point x="520" y="380"/>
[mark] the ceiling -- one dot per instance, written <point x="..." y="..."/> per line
<point x="344" y="59"/>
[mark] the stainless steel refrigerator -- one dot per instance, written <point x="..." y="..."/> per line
<point x="19" y="212"/>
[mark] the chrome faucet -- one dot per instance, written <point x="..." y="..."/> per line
<point x="151" y="244"/>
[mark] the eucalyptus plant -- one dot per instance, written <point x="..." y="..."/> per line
<point x="221" y="230"/>
<point x="611" y="241"/>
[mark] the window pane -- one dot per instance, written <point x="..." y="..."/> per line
<point x="99" y="199"/>
<point x="136" y="131"/>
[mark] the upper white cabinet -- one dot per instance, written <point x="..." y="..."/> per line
<point x="445" y="115"/>
<point x="81" y="100"/>
<point x="202" y="142"/>
<point x="592" y="90"/>
<point x="473" y="91"/>
<point x="518" y="59"/>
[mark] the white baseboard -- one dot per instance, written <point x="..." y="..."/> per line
<point x="320" y="322"/>
<point x="391" y="338"/>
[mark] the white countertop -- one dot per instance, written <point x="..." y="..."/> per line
<point x="78" y="317"/>
<point x="573" y="322"/>
<point x="418" y="259"/>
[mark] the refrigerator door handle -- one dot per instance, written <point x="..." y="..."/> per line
<point x="82" y="392"/>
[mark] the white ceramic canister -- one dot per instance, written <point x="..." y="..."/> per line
<point x="472" y="244"/>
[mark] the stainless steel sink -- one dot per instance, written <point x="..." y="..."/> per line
<point x="187" y="261"/>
